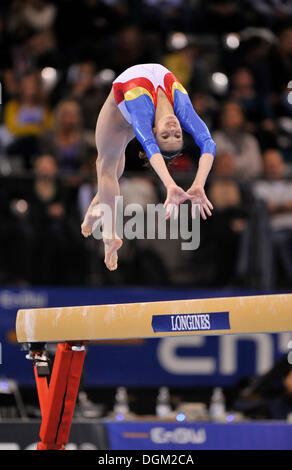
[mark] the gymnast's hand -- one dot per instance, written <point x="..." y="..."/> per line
<point x="198" y="197"/>
<point x="175" y="196"/>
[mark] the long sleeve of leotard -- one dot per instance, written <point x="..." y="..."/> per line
<point x="192" y="123"/>
<point x="142" y="114"/>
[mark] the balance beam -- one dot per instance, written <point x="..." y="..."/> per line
<point x="72" y="327"/>
<point x="215" y="316"/>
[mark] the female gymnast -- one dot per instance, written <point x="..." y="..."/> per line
<point x="146" y="101"/>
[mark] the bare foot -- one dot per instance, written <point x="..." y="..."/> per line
<point x="111" y="246"/>
<point x="89" y="220"/>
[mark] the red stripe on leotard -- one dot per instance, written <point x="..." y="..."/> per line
<point x="121" y="88"/>
<point x="169" y="80"/>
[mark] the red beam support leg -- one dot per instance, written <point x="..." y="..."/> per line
<point x="43" y="390"/>
<point x="71" y="396"/>
<point x="57" y="401"/>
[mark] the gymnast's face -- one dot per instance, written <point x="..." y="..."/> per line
<point x="168" y="134"/>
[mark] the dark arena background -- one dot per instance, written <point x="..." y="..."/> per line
<point x="58" y="60"/>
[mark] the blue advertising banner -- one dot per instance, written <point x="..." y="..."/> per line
<point x="191" y="322"/>
<point x="176" y="361"/>
<point x="199" y="436"/>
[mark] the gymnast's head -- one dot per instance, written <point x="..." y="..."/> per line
<point x="169" y="136"/>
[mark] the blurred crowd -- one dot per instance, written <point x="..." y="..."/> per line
<point x="58" y="60"/>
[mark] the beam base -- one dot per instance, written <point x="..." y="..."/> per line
<point x="57" y="400"/>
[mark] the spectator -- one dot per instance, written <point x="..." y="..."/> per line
<point x="27" y="117"/>
<point x="9" y="84"/>
<point x="224" y="190"/>
<point x="56" y="249"/>
<point x="280" y="406"/>
<point x="182" y="63"/>
<point x="41" y="48"/>
<point x="232" y="138"/>
<point x="255" y="105"/>
<point x="67" y="141"/>
<point x="283" y="112"/>
<point x="276" y="192"/>
<point x="280" y="61"/>
<point x="33" y="15"/>
<point x="244" y="92"/>
<point x="205" y="106"/>
<point x="39" y="15"/>
<point x="137" y="190"/>
<point x="268" y="395"/>
<point x="130" y="49"/>
<point x="254" y="53"/>
<point x="228" y="220"/>
<point x="87" y="93"/>
<point x="32" y="25"/>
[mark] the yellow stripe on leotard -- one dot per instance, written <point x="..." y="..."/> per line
<point x="136" y="92"/>
<point x="178" y="86"/>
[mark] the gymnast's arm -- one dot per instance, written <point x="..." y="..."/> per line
<point x="193" y="124"/>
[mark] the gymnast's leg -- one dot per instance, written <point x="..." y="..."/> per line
<point x="90" y="218"/>
<point x="108" y="190"/>
<point x="112" y="136"/>
<point x="93" y="212"/>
